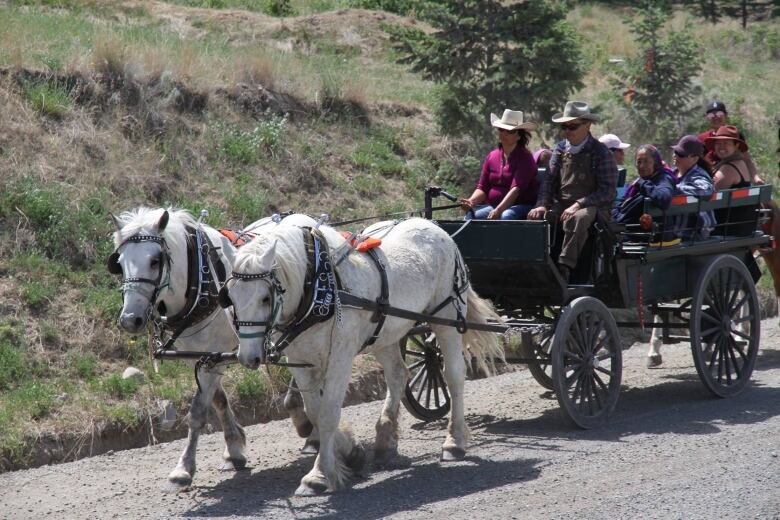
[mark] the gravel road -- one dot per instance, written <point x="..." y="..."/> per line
<point x="670" y="451"/>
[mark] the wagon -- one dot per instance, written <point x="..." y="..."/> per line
<point x="569" y="336"/>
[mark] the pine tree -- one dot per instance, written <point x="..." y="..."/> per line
<point x="660" y="86"/>
<point x="489" y="56"/>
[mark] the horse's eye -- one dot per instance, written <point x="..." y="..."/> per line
<point x="266" y="300"/>
<point x="155" y="262"/>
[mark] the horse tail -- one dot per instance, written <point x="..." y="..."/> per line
<point x="482" y="346"/>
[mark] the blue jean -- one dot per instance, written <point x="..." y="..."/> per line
<point x="516" y="212"/>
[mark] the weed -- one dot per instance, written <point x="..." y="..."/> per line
<point x="120" y="388"/>
<point x="122" y="413"/>
<point x="48" y="99"/>
<point x="246" y="198"/>
<point x="244" y="147"/>
<point x="279" y="8"/>
<point x="84" y="366"/>
<point x="37" y="295"/>
<point x="12" y="364"/>
<point x="103" y="302"/>
<point x="250" y="384"/>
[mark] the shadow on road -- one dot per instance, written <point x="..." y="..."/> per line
<point x="407" y="487"/>
<point x="678" y="405"/>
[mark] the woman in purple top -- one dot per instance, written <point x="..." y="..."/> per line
<point x="507" y="187"/>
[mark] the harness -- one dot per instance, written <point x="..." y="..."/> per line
<point x="323" y="298"/>
<point x="318" y="304"/>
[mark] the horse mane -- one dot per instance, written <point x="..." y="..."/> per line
<point x="146" y="219"/>
<point x="290" y="263"/>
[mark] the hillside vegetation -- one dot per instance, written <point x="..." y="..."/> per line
<point x="105" y="106"/>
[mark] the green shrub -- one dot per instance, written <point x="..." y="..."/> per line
<point x="48" y="99"/>
<point x="120" y="388"/>
<point x="402" y="7"/>
<point x="250" y="384"/>
<point x="35" y="398"/>
<point x="122" y="413"/>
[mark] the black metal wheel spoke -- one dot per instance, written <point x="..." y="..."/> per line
<point x="734" y="361"/>
<point x="741" y="335"/>
<point x="707" y="316"/>
<point x="574" y="376"/>
<point x="416" y="364"/>
<point x="571" y="354"/>
<point x="707" y="332"/>
<point x="739" y="304"/>
<point x="601" y="383"/>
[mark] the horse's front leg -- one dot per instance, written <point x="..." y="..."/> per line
<point x="235" y="438"/>
<point x="181" y="476"/>
<point x="451" y="343"/>
<point x="396" y="375"/>
<point x="339" y="456"/>
<point x="293" y="403"/>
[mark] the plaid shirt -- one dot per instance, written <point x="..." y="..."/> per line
<point x="602" y="165"/>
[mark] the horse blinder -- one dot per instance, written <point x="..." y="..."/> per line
<point x="113" y="263"/>
<point x="224" y="298"/>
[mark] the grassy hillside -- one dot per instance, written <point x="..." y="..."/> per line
<point x="108" y="105"/>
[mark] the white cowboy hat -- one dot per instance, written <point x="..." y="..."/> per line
<point x="612" y="142"/>
<point x="511" y="120"/>
<point x="575" y="110"/>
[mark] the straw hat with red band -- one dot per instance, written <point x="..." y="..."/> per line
<point x="726" y="132"/>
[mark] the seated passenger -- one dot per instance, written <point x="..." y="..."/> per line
<point x="542" y="157"/>
<point x="655" y="182"/>
<point x="507" y="188"/>
<point x="692" y="176"/>
<point x="731" y="170"/>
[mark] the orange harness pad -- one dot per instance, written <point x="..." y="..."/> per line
<point x="364" y="245"/>
<point x="235" y="238"/>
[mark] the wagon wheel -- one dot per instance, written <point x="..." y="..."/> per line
<point x="725" y="326"/>
<point x="586" y="362"/>
<point x="541" y="371"/>
<point x="426" y="396"/>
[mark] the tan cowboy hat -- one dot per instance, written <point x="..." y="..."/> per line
<point x="575" y="110"/>
<point x="511" y="120"/>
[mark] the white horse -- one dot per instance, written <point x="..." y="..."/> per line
<point x="421" y="262"/>
<point x="152" y="256"/>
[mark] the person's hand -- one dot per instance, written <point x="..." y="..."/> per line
<point x="537" y="213"/>
<point x="494" y="214"/>
<point x="570" y="211"/>
<point x="466" y="204"/>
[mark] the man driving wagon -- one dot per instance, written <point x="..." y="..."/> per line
<point x="581" y="184"/>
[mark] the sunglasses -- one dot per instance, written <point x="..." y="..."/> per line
<point x="571" y="126"/>
<point x="505" y="131"/>
<point x="680" y="155"/>
<point x="713" y="115"/>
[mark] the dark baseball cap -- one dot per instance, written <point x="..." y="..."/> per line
<point x="689" y="145"/>
<point x="716" y="106"/>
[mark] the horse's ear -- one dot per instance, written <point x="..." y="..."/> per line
<point x="117" y="223"/>
<point x="162" y="222"/>
<point x="267" y="260"/>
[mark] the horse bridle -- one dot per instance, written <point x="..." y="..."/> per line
<point x="277" y="292"/>
<point x="130" y="283"/>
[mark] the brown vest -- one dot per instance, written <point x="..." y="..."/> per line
<point x="577" y="181"/>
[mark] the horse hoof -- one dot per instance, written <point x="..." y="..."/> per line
<point x="311" y="447"/>
<point x="452" y="454"/>
<point x="384" y="456"/>
<point x="310" y="487"/>
<point x="234" y="464"/>
<point x="178" y="481"/>
<point x="653" y="361"/>
<point x="356" y="460"/>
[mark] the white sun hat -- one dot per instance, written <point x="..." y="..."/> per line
<point x="612" y="141"/>
<point x="511" y="120"/>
